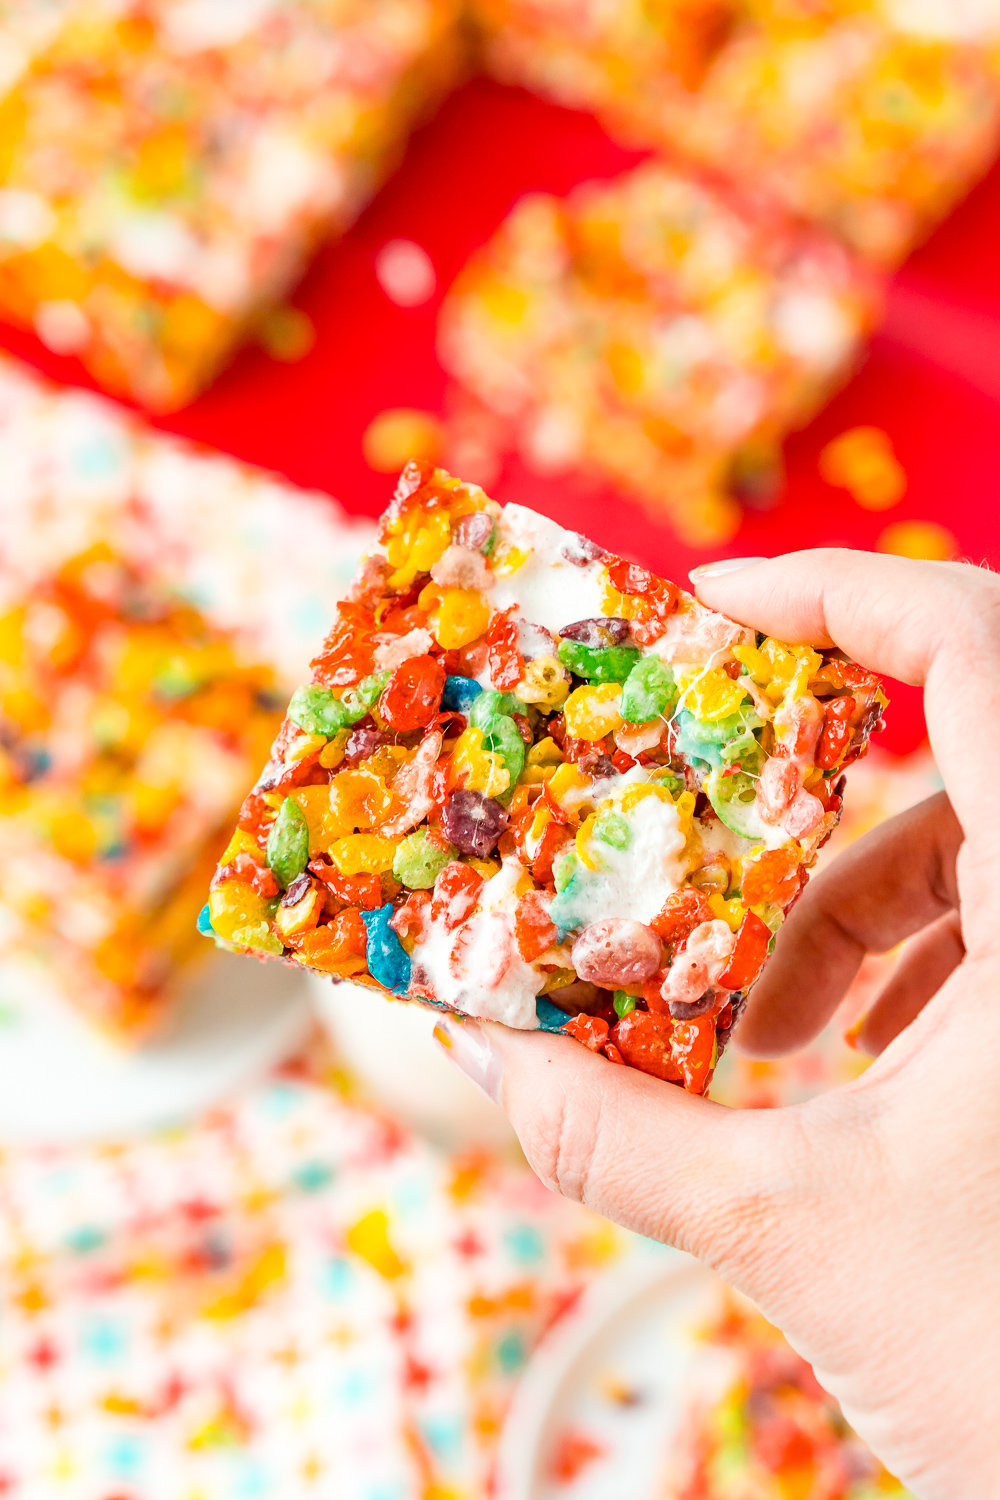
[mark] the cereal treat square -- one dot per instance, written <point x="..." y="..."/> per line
<point x="129" y="725"/>
<point x="627" y="62"/>
<point x="532" y="782"/>
<point x="874" y="131"/>
<point x="167" y="168"/>
<point x="659" y="330"/>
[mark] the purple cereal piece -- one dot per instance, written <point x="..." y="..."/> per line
<point x="580" y="550"/>
<point x="474" y="531"/>
<point x="602" y="631"/>
<point x="473" y="823"/>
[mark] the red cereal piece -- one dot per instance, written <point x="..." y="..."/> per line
<point x="364" y="891"/>
<point x="644" y="1042"/>
<point x="533" y="928"/>
<point x="693" y="1049"/>
<point x="772" y="876"/>
<point x="505" y="661"/>
<point x="456" y="893"/>
<point x="590" y="1030"/>
<point x="752" y="942"/>
<point x="412" y="695"/>
<point x="681" y="914"/>
<point x="835" y="735"/>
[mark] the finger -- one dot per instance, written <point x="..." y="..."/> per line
<point x="924" y="966"/>
<point x="935" y="624"/>
<point x="655" y="1159"/>
<point x="881" y="890"/>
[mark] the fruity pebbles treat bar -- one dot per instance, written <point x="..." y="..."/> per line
<point x="532" y="782"/>
<point x="128" y="727"/>
<point x="626" y="62"/>
<point x="167" y="166"/>
<point x="658" y="330"/>
<point x="772" y="1431"/>
<point x="874" y="131"/>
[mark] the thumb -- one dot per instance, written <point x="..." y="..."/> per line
<point x="677" y="1168"/>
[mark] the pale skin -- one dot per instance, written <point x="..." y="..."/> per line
<point x="865" y="1222"/>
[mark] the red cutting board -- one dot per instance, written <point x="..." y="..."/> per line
<point x="931" y="379"/>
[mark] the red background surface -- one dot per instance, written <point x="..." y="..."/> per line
<point x="931" y="378"/>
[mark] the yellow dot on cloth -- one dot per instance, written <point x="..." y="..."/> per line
<point x="924" y="539"/>
<point x="399" y="434"/>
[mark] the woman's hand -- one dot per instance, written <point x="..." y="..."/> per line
<point x="865" y="1222"/>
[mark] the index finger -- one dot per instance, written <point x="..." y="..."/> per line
<point x="928" y="623"/>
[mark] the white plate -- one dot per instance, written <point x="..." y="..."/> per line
<point x="61" y="1081"/>
<point x="621" y="1372"/>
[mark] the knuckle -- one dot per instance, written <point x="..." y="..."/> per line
<point x="562" y="1145"/>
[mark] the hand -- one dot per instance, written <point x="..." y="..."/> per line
<point x="865" y="1222"/>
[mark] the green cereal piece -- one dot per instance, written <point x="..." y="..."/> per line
<point x="611" y="828"/>
<point x="624" y="1004"/>
<point x="287" y="850"/>
<point x="490" y="705"/>
<point x="501" y="736"/>
<point x="417" y="862"/>
<point x="319" y="711"/>
<point x="358" y="700"/>
<point x="598" y="663"/>
<point x="566" y="866"/>
<point x="648" y="692"/>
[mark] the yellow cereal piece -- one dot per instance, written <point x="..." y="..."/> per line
<point x="234" y="907"/>
<point x="358" y="801"/>
<point x="545" y="753"/>
<point x="731" y="912"/>
<point x="369" y="1240"/>
<point x="242" y="843"/>
<point x="333" y="751"/>
<point x="584" y="839"/>
<point x="641" y="792"/>
<point x="567" y="783"/>
<point x="476" y="768"/>
<point x="315" y="804"/>
<point x="508" y="562"/>
<point x="711" y="694"/>
<point x="487" y="868"/>
<point x="545" y="682"/>
<point x="361" y="853"/>
<point x="918" y="539"/>
<point x="287" y="334"/>
<point x="399" y="434"/>
<point x="304" y="745"/>
<point x="461" y="618"/>
<point x="415" y="543"/>
<point x="862" y="462"/>
<point x="592" y="711"/>
<point x="782" y="671"/>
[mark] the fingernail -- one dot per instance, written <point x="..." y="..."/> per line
<point x="724" y="565"/>
<point x="468" y="1046"/>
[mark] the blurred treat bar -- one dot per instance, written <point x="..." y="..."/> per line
<point x="871" y="118"/>
<point x="127" y="726"/>
<point x="150" y="621"/>
<point x="167" y="166"/>
<point x="773" y="1430"/>
<point x="659" y="330"/>
<point x="870" y="130"/>
<point x="620" y="60"/>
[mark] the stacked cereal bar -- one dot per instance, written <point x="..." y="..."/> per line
<point x="530" y="781"/>
<point x="155" y="601"/>
<point x="870" y="116"/>
<point x="868" y="129"/>
<point x="625" y="61"/>
<point x="658" y="330"/>
<point x="167" y="167"/>
<point x="128" y="723"/>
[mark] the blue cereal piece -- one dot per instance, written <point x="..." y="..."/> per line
<point x="460" y="693"/>
<point x="387" y="959"/>
<point x="550" y="1017"/>
<point x="204" y="925"/>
